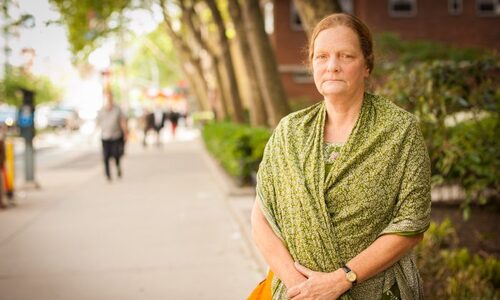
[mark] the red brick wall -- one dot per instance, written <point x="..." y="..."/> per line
<point x="289" y="43"/>
<point x="302" y="92"/>
<point x="434" y="22"/>
<point x="290" y="46"/>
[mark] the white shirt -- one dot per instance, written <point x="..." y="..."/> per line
<point x="110" y="123"/>
<point x="158" y="115"/>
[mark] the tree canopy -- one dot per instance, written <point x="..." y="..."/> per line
<point x="155" y="60"/>
<point x="89" y="20"/>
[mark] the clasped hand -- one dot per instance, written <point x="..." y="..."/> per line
<point x="319" y="285"/>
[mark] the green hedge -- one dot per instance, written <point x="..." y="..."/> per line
<point x="388" y="45"/>
<point x="458" y="105"/>
<point x="474" y="155"/>
<point x="449" y="272"/>
<point x="239" y="148"/>
<point x="392" y="52"/>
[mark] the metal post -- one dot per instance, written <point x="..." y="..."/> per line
<point x="29" y="158"/>
<point x="27" y="127"/>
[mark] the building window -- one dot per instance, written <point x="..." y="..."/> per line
<point x="488" y="8"/>
<point x="455" y="7"/>
<point x="402" y="8"/>
<point x="347" y="6"/>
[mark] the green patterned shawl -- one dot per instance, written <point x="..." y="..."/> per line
<point x="379" y="184"/>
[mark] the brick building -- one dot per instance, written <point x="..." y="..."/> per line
<point x="461" y="23"/>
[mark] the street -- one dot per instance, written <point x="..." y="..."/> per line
<point x="167" y="230"/>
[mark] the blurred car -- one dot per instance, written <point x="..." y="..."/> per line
<point x="63" y="117"/>
<point x="8" y="116"/>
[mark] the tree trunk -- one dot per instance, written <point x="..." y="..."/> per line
<point x="222" y="105"/>
<point x="197" y="84"/>
<point x="265" y="62"/>
<point x="258" y="114"/>
<point x="196" y="77"/>
<point x="227" y="63"/>
<point x="189" y="15"/>
<point x="313" y="11"/>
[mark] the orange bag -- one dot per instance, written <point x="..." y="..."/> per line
<point x="263" y="290"/>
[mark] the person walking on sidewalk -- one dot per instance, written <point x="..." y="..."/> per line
<point x="145" y="125"/>
<point x="173" y="117"/>
<point x="114" y="131"/>
<point x="344" y="185"/>
<point x="157" y="120"/>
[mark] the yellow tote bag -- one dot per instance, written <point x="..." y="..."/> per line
<point x="263" y="290"/>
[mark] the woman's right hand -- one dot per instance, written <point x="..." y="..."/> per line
<point x="293" y="280"/>
<point x="319" y="285"/>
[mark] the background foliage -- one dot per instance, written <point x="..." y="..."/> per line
<point x="155" y="60"/>
<point x="449" y="272"/>
<point x="88" y="21"/>
<point x="15" y="79"/>
<point x="239" y="148"/>
<point x="391" y="50"/>
<point x="458" y="105"/>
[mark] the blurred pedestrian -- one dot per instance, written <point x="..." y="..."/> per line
<point x="158" y="119"/>
<point x="173" y="117"/>
<point x="146" y="125"/>
<point x="114" y="133"/>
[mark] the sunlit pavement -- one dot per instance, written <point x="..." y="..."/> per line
<point x="167" y="230"/>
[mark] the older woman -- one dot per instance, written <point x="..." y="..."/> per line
<point x="343" y="191"/>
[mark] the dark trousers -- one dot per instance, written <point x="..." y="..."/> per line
<point x="111" y="149"/>
<point x="156" y="129"/>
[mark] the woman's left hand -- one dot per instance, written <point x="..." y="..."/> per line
<point x="319" y="285"/>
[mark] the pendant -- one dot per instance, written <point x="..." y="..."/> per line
<point x="334" y="156"/>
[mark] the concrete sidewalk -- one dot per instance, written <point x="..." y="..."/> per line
<point x="167" y="230"/>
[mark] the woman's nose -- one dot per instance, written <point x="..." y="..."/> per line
<point x="333" y="64"/>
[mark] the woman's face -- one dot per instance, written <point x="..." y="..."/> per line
<point x="339" y="68"/>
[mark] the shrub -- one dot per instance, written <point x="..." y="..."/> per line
<point x="451" y="273"/>
<point x="239" y="148"/>
<point x="392" y="52"/>
<point x="474" y="156"/>
<point x="390" y="47"/>
<point x="458" y="105"/>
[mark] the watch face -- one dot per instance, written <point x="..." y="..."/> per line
<point x="351" y="276"/>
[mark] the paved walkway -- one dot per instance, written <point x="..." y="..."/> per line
<point x="167" y="230"/>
